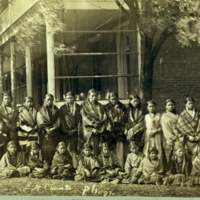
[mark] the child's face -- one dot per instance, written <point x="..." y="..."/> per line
<point x="151" y="108"/>
<point x="87" y="152"/>
<point x="153" y="155"/>
<point x="106" y="151"/>
<point x="134" y="150"/>
<point x="180" y="153"/>
<point x="62" y="150"/>
<point x="35" y="151"/>
<point x="135" y="102"/>
<point x="12" y="149"/>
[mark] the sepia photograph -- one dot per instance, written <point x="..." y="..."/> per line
<point x="100" y="98"/>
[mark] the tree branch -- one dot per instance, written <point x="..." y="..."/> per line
<point x="164" y="35"/>
<point x="121" y="7"/>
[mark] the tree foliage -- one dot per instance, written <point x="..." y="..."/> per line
<point x="180" y="18"/>
<point x="29" y="32"/>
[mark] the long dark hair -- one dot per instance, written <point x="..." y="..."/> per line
<point x="134" y="96"/>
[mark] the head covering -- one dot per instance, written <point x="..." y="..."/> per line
<point x="134" y="96"/>
<point x="10" y="144"/>
<point x="92" y="91"/>
<point x="134" y="144"/>
<point x="189" y="99"/>
<point x="7" y="94"/>
<point x="35" y="145"/>
<point x="49" y="95"/>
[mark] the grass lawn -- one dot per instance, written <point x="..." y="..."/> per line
<point x="29" y="186"/>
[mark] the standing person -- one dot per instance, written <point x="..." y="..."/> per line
<point x="9" y="116"/>
<point x="94" y="120"/>
<point x="135" y="125"/>
<point x="168" y="122"/>
<point x="48" y="120"/>
<point x="69" y="124"/>
<point x="28" y="132"/>
<point x="188" y="124"/>
<point x="116" y="112"/>
<point x="153" y="132"/>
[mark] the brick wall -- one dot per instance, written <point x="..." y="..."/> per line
<point x="177" y="76"/>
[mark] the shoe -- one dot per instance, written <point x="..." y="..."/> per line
<point x="125" y="181"/>
<point x="182" y="184"/>
<point x="158" y="183"/>
<point x="116" y="181"/>
<point x="133" y="180"/>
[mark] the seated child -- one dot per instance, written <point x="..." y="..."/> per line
<point x="179" y="167"/>
<point x="195" y="173"/>
<point x="151" y="169"/>
<point x="62" y="167"/>
<point x="109" y="165"/>
<point x="132" y="163"/>
<point x="38" y="167"/>
<point x="11" y="162"/>
<point x="88" y="167"/>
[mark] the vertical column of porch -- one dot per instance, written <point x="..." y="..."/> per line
<point x="50" y="59"/>
<point x="12" y="71"/>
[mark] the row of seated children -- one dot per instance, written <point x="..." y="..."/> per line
<point x="105" y="169"/>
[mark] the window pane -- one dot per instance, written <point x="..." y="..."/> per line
<point x="122" y="85"/>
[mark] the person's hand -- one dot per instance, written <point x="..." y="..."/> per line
<point x="67" y="166"/>
<point x="95" y="131"/>
<point x="197" y="138"/>
<point x="191" y="138"/>
<point x="152" y="134"/>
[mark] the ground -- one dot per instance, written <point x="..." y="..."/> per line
<point x="29" y="186"/>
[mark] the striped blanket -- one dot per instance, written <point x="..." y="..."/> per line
<point x="27" y="122"/>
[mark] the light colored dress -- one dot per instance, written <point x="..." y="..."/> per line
<point x="152" y="123"/>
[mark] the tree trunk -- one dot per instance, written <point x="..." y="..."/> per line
<point x="146" y="72"/>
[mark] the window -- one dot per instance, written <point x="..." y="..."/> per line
<point x="103" y="59"/>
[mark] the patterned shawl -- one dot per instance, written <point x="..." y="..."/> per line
<point x="110" y="161"/>
<point x="188" y="125"/>
<point x="91" y="117"/>
<point x="196" y="167"/>
<point x="135" y="121"/>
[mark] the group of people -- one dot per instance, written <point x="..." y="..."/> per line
<point x="93" y="142"/>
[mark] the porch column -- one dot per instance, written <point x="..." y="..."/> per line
<point x="29" y="77"/>
<point x="1" y="75"/>
<point x="12" y="71"/>
<point x="50" y="59"/>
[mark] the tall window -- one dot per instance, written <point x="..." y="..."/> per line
<point x="102" y="59"/>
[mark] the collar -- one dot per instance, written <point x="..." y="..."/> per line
<point x="191" y="112"/>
